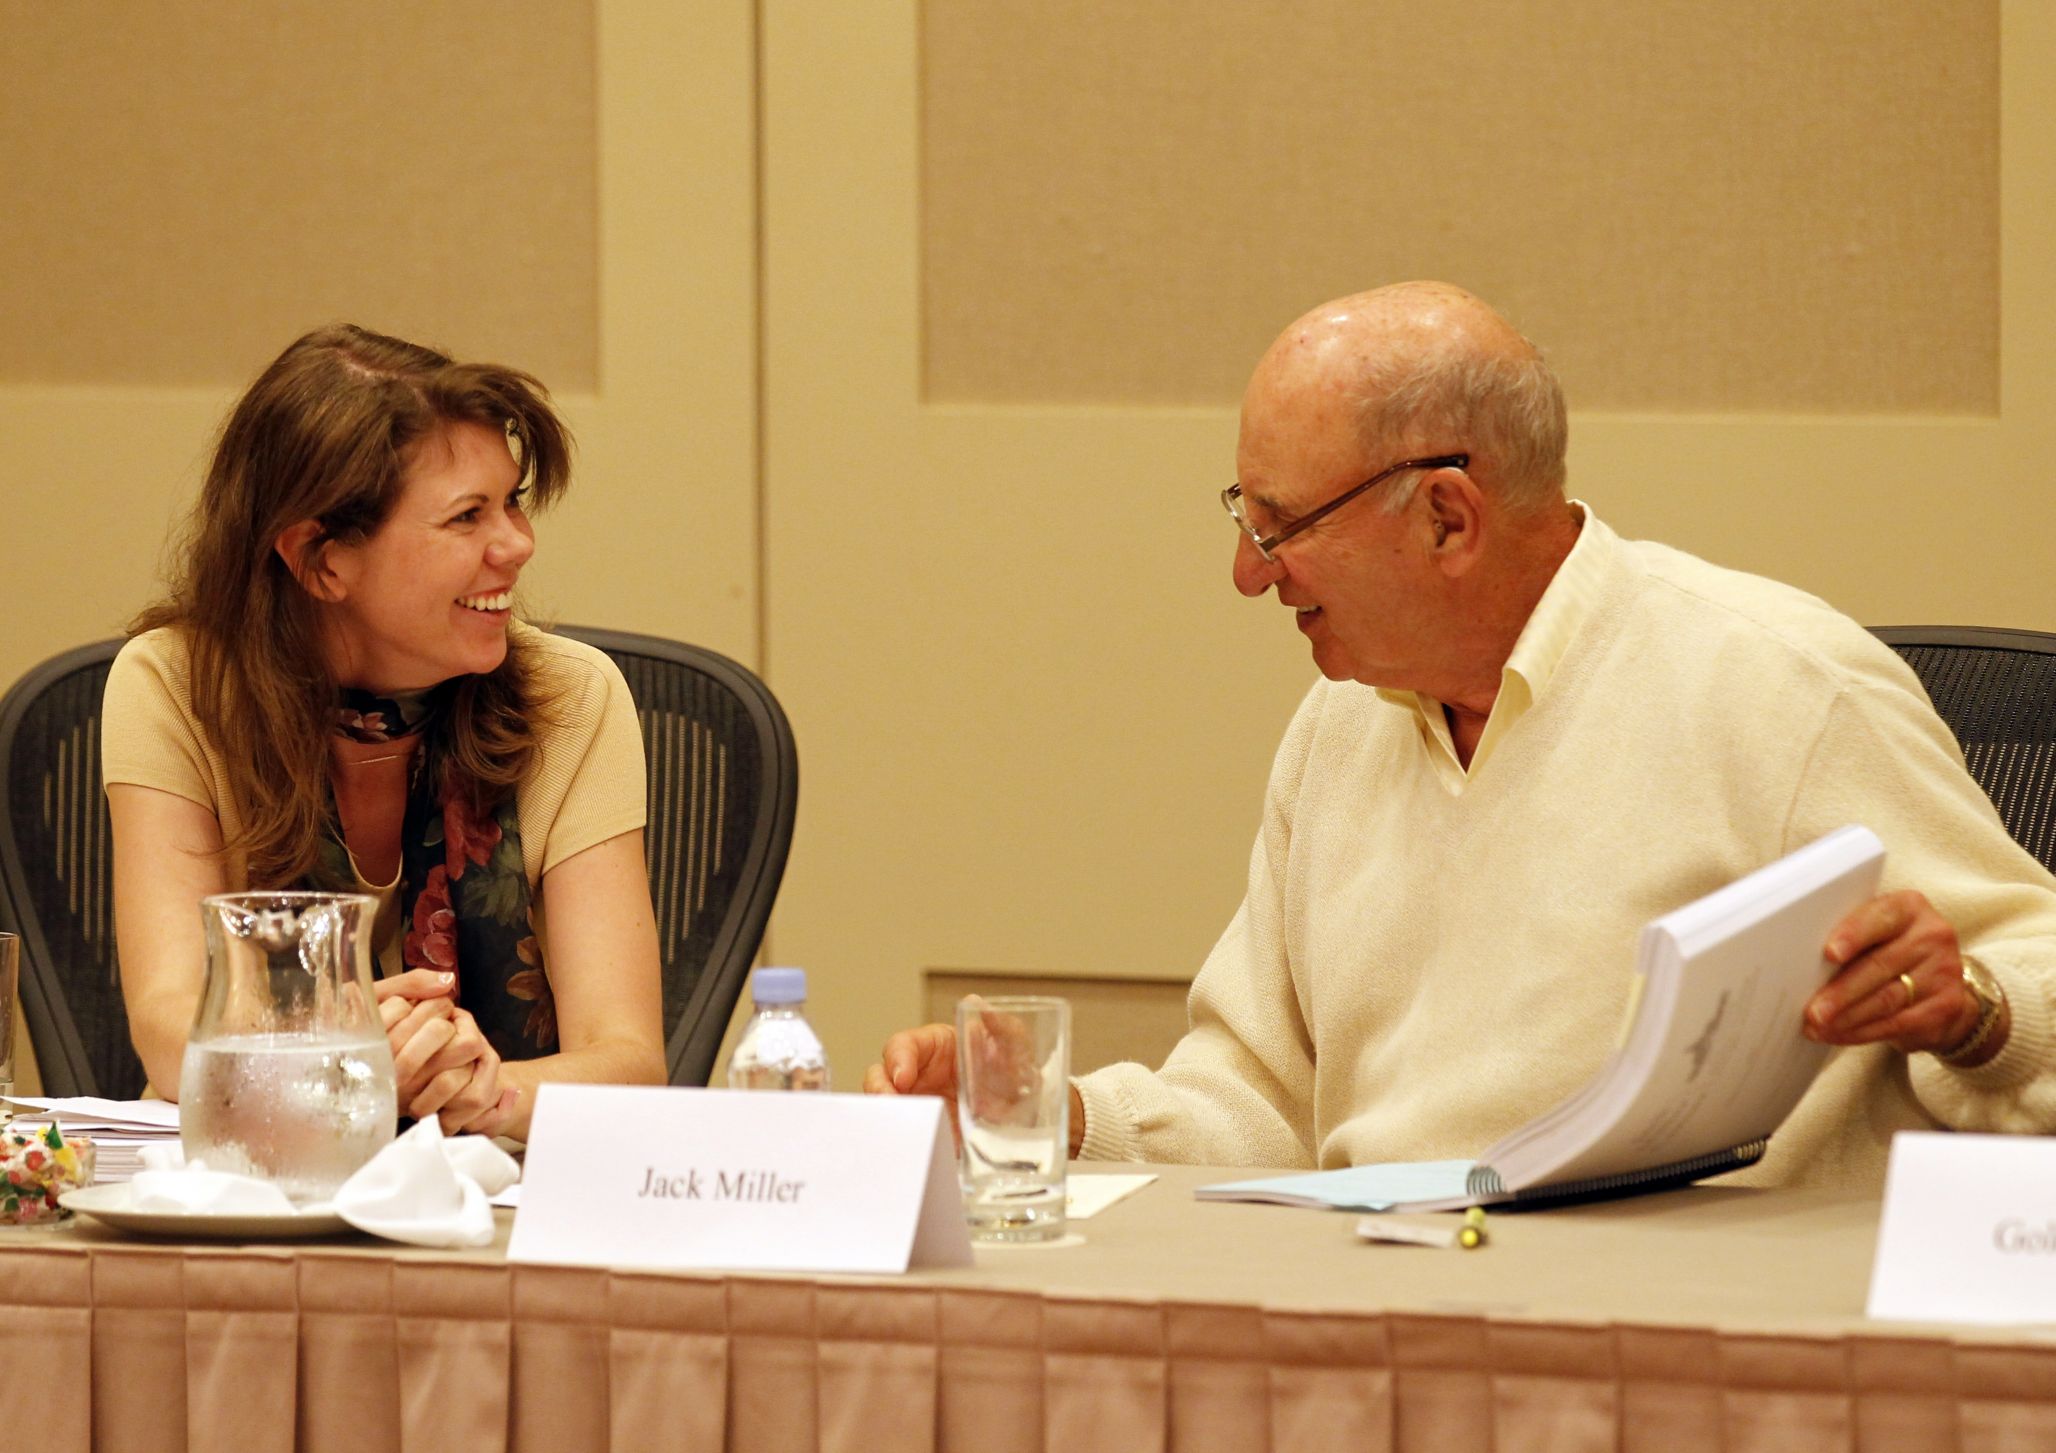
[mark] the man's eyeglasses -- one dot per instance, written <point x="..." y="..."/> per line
<point x="1231" y="498"/>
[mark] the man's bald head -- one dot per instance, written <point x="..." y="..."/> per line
<point x="1425" y="367"/>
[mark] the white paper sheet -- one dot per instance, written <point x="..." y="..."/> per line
<point x="1085" y="1196"/>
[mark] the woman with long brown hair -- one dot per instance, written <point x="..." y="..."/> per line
<point x="335" y="693"/>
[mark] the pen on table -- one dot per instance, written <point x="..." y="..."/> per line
<point x="1469" y="1233"/>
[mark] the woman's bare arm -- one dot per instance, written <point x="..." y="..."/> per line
<point x="604" y="974"/>
<point x="166" y="859"/>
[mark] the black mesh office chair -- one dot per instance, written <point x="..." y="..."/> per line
<point x="56" y="876"/>
<point x="723" y="786"/>
<point x="1997" y="691"/>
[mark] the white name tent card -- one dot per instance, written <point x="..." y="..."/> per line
<point x="1969" y="1230"/>
<point x="742" y="1180"/>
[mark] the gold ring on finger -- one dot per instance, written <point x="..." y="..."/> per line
<point x="1912" y="994"/>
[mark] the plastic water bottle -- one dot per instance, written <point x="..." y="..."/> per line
<point x="779" y="1049"/>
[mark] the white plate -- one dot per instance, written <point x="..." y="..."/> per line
<point x="111" y="1205"/>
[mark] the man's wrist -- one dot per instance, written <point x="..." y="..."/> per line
<point x="1986" y="1033"/>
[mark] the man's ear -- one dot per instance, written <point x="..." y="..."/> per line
<point x="1456" y="517"/>
<point x="305" y="552"/>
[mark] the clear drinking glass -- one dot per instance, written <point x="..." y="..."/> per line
<point x="10" y="982"/>
<point x="1014" y="1111"/>
<point x="287" y="1075"/>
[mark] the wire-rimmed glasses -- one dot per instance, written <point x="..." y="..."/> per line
<point x="1231" y="500"/>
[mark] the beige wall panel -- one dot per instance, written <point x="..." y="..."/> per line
<point x="190" y="187"/>
<point x="660" y="532"/>
<point x="1753" y="205"/>
<point x="90" y="481"/>
<point x="1033" y="715"/>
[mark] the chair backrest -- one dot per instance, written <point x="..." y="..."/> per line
<point x="1997" y="691"/>
<point x="56" y="876"/>
<point x="723" y="789"/>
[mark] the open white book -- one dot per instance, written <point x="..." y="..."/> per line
<point x="1711" y="1063"/>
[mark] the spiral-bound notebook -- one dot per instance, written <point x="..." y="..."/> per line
<point x="1710" y="1063"/>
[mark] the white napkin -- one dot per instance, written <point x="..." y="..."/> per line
<point x="178" y="1189"/>
<point x="421" y="1189"/>
<point x="428" y="1191"/>
<point x="166" y="1155"/>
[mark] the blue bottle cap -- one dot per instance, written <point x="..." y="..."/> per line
<point x="779" y="986"/>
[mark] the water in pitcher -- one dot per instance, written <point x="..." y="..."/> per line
<point x="301" y="1111"/>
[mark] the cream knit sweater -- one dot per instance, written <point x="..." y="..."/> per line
<point x="1414" y="972"/>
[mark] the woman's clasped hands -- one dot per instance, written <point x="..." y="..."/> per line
<point x="442" y="1063"/>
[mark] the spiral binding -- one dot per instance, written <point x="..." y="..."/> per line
<point x="1483" y="1182"/>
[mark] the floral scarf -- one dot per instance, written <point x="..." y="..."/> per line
<point x="463" y="890"/>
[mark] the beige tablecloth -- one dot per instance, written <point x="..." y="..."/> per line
<point x="1706" y="1319"/>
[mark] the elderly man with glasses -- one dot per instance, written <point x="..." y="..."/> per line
<point x="1532" y="737"/>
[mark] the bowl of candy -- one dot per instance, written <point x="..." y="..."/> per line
<point x="39" y="1163"/>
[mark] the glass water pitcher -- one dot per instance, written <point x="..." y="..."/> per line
<point x="287" y="1075"/>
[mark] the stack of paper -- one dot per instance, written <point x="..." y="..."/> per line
<point x="119" y="1129"/>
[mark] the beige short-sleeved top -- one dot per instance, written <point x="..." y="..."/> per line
<point x="585" y="785"/>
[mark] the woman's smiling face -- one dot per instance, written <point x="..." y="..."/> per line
<point x="429" y="594"/>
